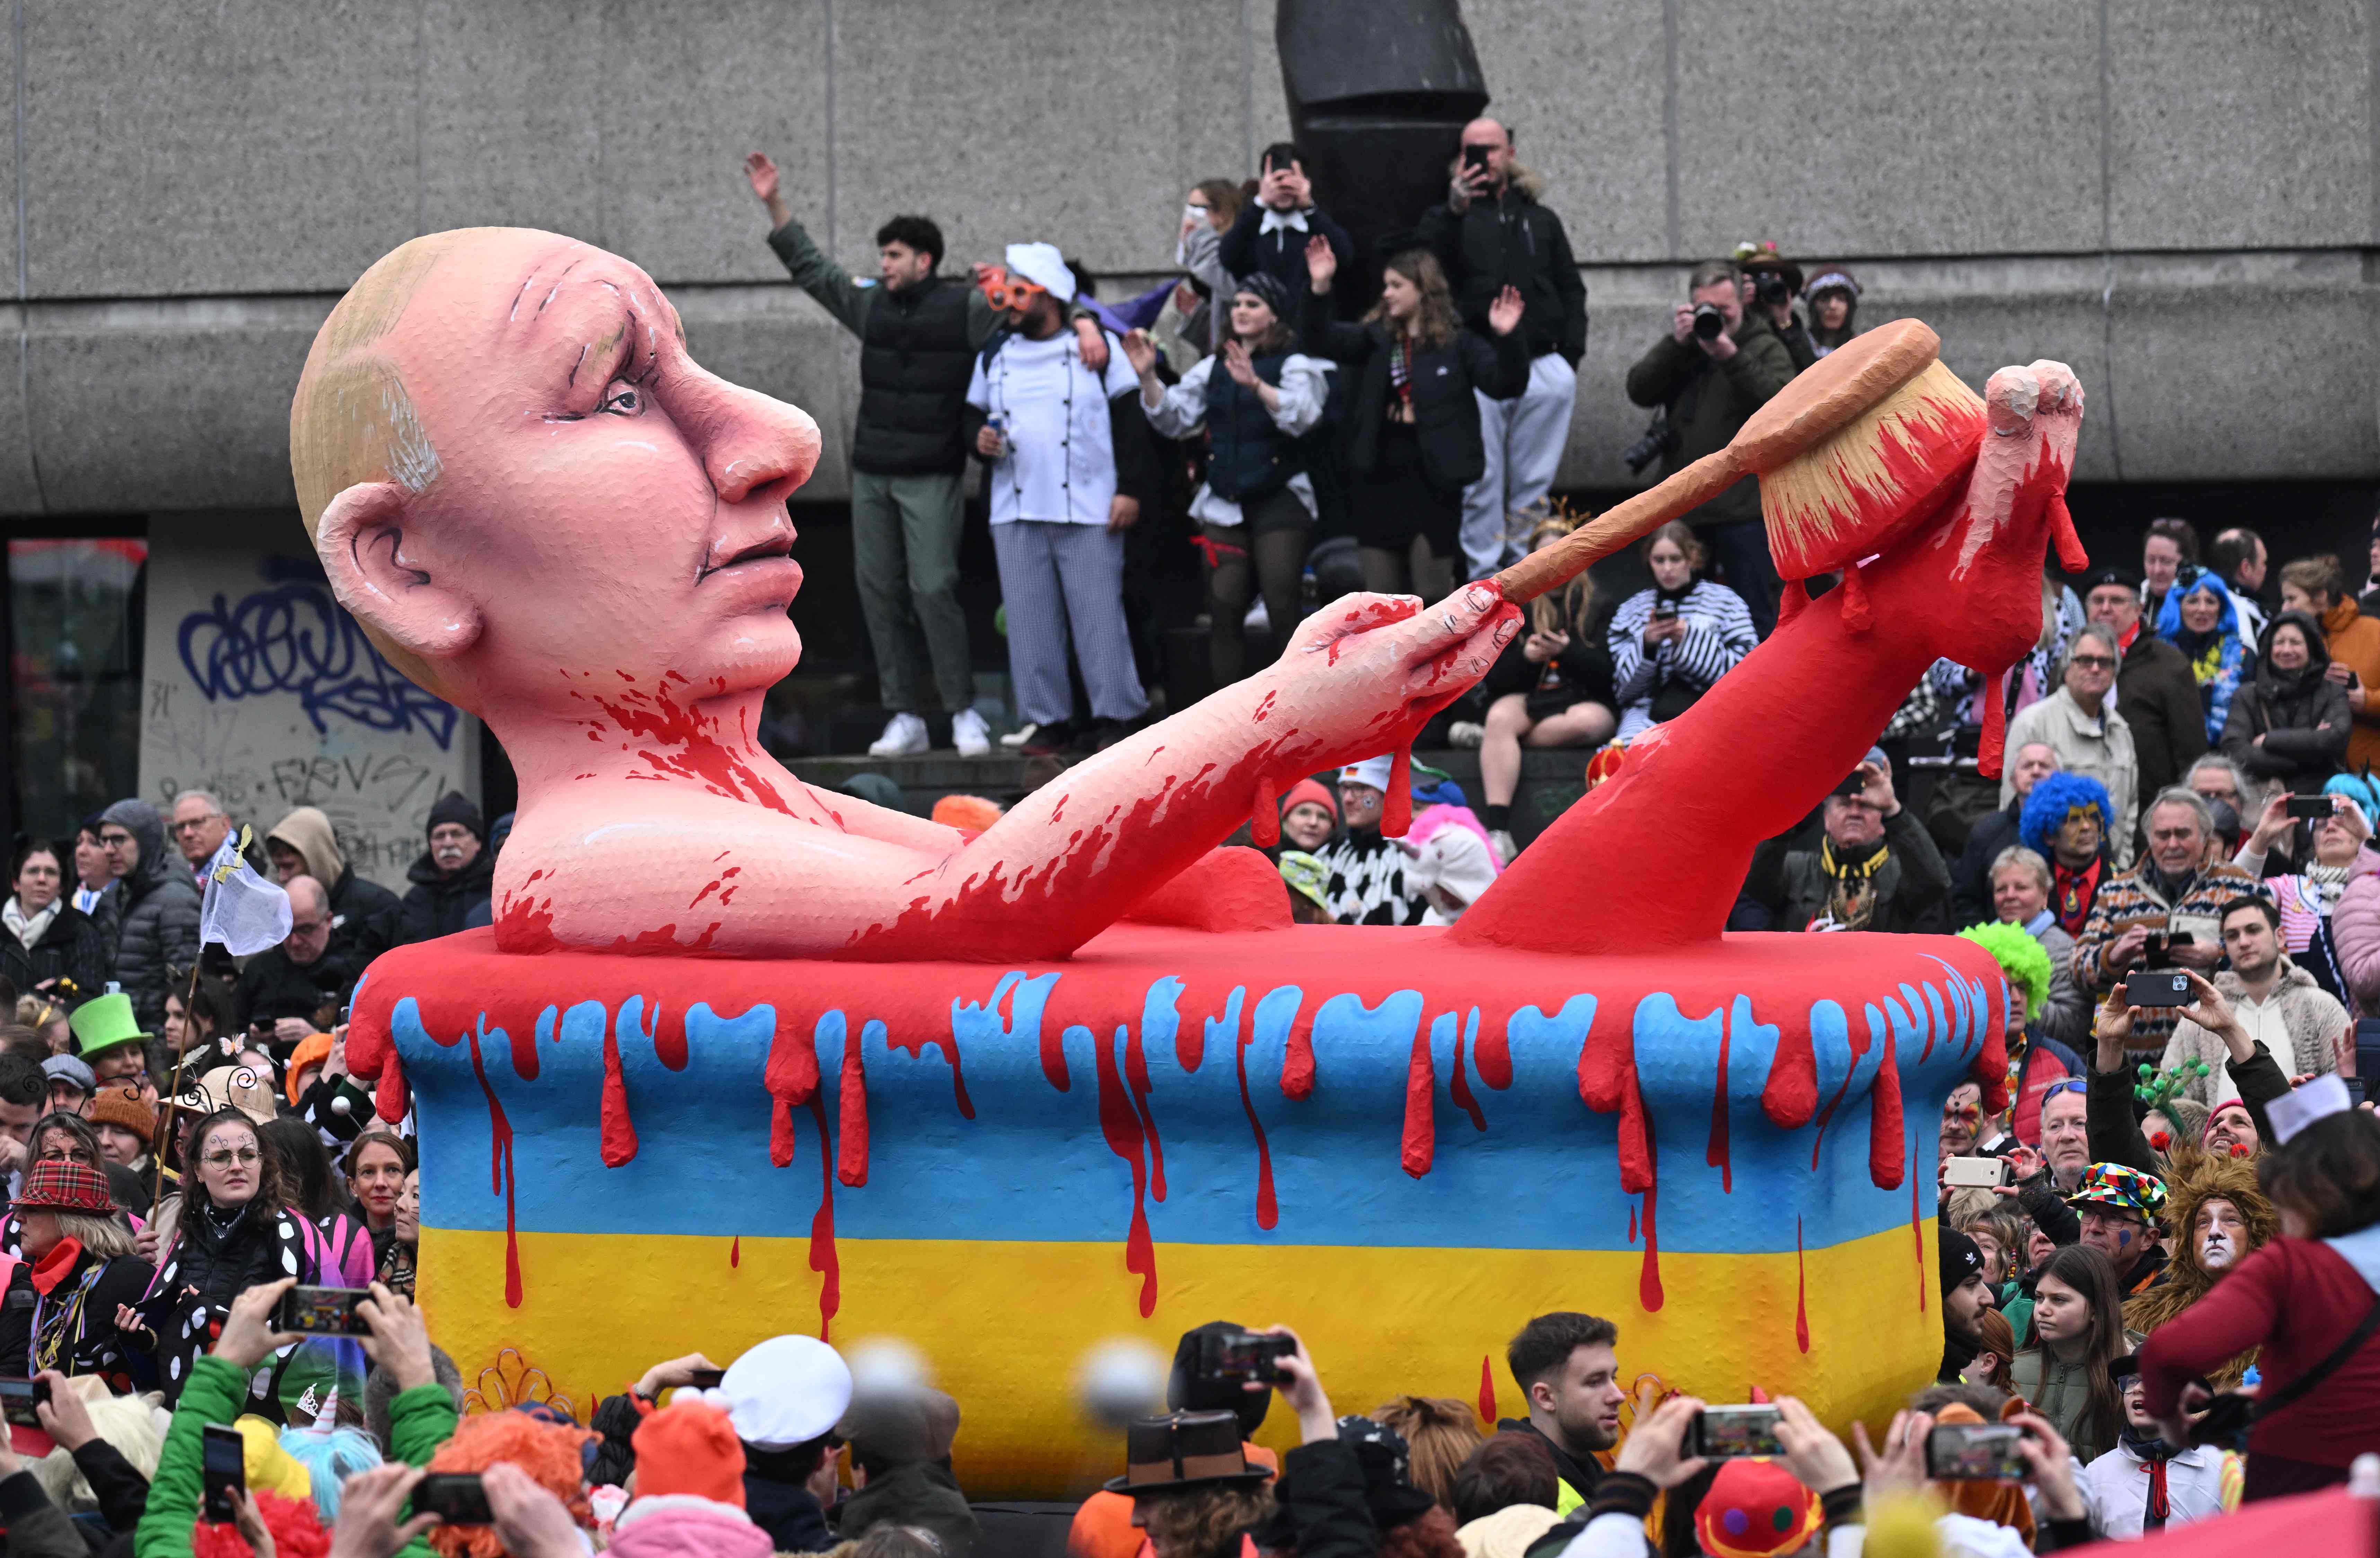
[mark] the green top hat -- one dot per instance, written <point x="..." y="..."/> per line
<point x="103" y="1023"/>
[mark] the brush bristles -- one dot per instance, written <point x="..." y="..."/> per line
<point x="1840" y="500"/>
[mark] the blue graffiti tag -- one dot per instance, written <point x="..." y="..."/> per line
<point x="292" y="637"/>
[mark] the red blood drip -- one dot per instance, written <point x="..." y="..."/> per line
<point x="1493" y="1057"/>
<point x="2070" y="555"/>
<point x="1119" y="1122"/>
<point x="669" y="1040"/>
<point x="824" y="1258"/>
<point x="949" y="1045"/>
<point x="1296" y="1063"/>
<point x="1632" y="1222"/>
<point x="1801" y="1293"/>
<point x="1267" y="1208"/>
<point x="1396" y="807"/>
<point x="504" y="1175"/>
<point x="389" y="1100"/>
<point x="1607" y="1083"/>
<point x="619" y="1130"/>
<point x="1648" y="1281"/>
<point x="792" y="1079"/>
<point x="1991" y="747"/>
<point x="1990" y="1069"/>
<point x="1886" y="1153"/>
<point x="1717" y="1154"/>
<point x="735" y="1252"/>
<point x="1421" y="1124"/>
<point x="1795" y="597"/>
<point x="1189" y="1044"/>
<point x="1858" y="615"/>
<point x="851" y="1098"/>
<point x="1487" y="1391"/>
<point x="1790" y="1096"/>
<point x="1264" y="823"/>
<point x="1460" y="1085"/>
<point x="1136" y="1076"/>
<point x="1917" y="1238"/>
<point x="524" y="1042"/>
<point x="1263" y="709"/>
<point x="694" y="751"/>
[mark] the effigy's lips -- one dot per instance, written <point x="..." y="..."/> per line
<point x="1403" y="1145"/>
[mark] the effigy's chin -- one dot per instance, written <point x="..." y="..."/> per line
<point x="1401" y="1146"/>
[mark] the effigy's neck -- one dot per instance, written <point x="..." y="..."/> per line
<point x="649" y="736"/>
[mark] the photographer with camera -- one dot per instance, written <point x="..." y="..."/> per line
<point x="1872" y="867"/>
<point x="1715" y="367"/>
<point x="2166" y="912"/>
<point x="1489" y="235"/>
<point x="1771" y="282"/>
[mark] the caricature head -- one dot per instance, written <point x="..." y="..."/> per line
<point x="512" y="469"/>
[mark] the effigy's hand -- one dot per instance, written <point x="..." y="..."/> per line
<point x="1363" y="673"/>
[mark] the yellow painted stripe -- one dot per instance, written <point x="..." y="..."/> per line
<point x="1006" y="1325"/>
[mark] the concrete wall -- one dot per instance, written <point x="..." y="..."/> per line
<point x="2179" y="198"/>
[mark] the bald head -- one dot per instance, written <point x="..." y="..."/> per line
<point x="501" y="428"/>
<point x="1489" y="139"/>
<point x="309" y="921"/>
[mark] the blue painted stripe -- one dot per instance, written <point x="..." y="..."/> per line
<point x="1035" y="1165"/>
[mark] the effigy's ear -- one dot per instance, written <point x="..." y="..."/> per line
<point x="361" y="540"/>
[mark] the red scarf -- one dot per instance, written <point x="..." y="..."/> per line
<point x="56" y="1266"/>
<point x="2072" y="889"/>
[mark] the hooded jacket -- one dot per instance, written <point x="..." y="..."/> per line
<point x="922" y="1493"/>
<point x="2191" y="1179"/>
<point x="2220" y="661"/>
<point x="364" y="915"/>
<point x="679" y="1525"/>
<point x="2301" y="715"/>
<point x="159" y="927"/>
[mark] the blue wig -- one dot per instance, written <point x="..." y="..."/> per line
<point x="2054" y="796"/>
<point x="330" y="1456"/>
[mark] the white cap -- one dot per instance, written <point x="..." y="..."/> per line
<point x="1373" y="771"/>
<point x="786" y="1391"/>
<point x="1043" y="266"/>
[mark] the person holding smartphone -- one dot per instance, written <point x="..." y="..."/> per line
<point x="1271" y="232"/>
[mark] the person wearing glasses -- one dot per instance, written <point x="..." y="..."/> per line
<point x="228" y="1229"/>
<point x="160" y="924"/>
<point x="283" y="989"/>
<point x="199" y="826"/>
<point x="2080" y="723"/>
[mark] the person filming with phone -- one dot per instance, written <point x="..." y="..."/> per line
<point x="1716" y="366"/>
<point x="2165" y="912"/>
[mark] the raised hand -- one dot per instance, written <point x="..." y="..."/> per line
<point x="1141" y="352"/>
<point x="1656" y="1449"/>
<point x="762" y="172"/>
<point x="1505" y="312"/>
<point x="1362" y="674"/>
<point x="1237" y="363"/>
<point x="1321" y="262"/>
<point x="247" y="1334"/>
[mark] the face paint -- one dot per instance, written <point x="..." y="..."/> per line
<point x="2215" y="1252"/>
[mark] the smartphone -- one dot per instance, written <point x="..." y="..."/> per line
<point x="1732" y="1432"/>
<point x="2310" y="808"/>
<point x="1665" y="611"/>
<point x="1853" y="787"/>
<point x="2157" y="987"/>
<point x="1974" y="1452"/>
<point x="223" y="1469"/>
<point x="1242" y="1357"/>
<point x="321" y="1311"/>
<point x="18" y="1399"/>
<point x="456" y="1497"/>
<point x="1981" y="1173"/>
<point x="1476" y="156"/>
<point x="706" y="1378"/>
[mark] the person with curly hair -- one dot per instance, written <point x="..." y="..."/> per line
<point x="2068" y="820"/>
<point x="2035" y="1058"/>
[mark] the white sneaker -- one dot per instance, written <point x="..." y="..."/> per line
<point x="1468" y="735"/>
<point x="905" y="736"/>
<point x="1018" y="737"/>
<point x="1500" y="840"/>
<point x="968" y="733"/>
<point x="1258" y="620"/>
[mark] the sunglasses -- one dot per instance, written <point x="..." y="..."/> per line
<point x="2068" y="1085"/>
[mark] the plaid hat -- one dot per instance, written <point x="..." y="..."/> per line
<point x="1306" y="874"/>
<point x="64" y="1185"/>
<point x="2119" y="1185"/>
<point x="116" y="1106"/>
<point x="66" y="1068"/>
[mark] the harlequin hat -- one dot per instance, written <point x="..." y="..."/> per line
<point x="65" y="1185"/>
<point x="105" y="1022"/>
<point x="1755" y="1508"/>
<point x="2119" y="1185"/>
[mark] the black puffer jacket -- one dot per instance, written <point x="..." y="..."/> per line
<point x="207" y="1264"/>
<point x="72" y="947"/>
<point x="161" y="914"/>
<point x="1509" y="239"/>
<point x="1446" y="417"/>
<point x="2302" y="715"/>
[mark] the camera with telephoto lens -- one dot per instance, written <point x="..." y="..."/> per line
<point x="1708" y="320"/>
<point x="1658" y="438"/>
<point x="1771" y="287"/>
<point x="1242" y="1356"/>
